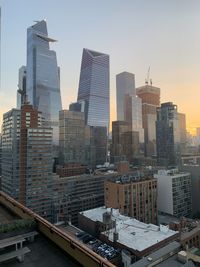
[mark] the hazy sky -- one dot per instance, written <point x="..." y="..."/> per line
<point x="163" y="34"/>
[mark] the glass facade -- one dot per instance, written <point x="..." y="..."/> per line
<point x="167" y="135"/>
<point x="125" y="83"/>
<point x="43" y="76"/>
<point x="94" y="88"/>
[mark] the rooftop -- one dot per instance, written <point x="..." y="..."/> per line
<point x="132" y="233"/>
<point x="6" y="216"/>
<point x="43" y="253"/>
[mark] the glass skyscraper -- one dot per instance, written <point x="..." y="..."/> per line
<point x="43" y="77"/>
<point x="94" y="88"/>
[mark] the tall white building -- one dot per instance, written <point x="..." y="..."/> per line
<point x="174" y="192"/>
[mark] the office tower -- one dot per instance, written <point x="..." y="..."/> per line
<point x="94" y="88"/>
<point x="125" y="84"/>
<point x="182" y="129"/>
<point x="43" y="76"/>
<point x="27" y="159"/>
<point x="129" y="106"/>
<point x="150" y="96"/>
<point x="134" y="197"/>
<point x="167" y="135"/>
<point x="174" y="192"/>
<point x="72" y="137"/>
<point x="21" y="92"/>
<point x="125" y="143"/>
<point x="133" y="114"/>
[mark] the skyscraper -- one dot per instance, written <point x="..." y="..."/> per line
<point x="72" y="137"/>
<point x="167" y="135"/>
<point x="43" y="76"/>
<point x="150" y="96"/>
<point x="129" y="106"/>
<point x="125" y="83"/>
<point x="94" y="88"/>
<point x="27" y="159"/>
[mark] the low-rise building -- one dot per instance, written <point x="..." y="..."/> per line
<point x="124" y="232"/>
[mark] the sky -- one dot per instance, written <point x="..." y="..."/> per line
<point x="162" y="34"/>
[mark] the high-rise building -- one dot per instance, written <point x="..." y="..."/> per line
<point x="21" y="92"/>
<point x="72" y="137"/>
<point x="125" y="143"/>
<point x="182" y="129"/>
<point x="174" y="192"/>
<point x="129" y="106"/>
<point x="94" y="88"/>
<point x="133" y="197"/>
<point x="168" y="135"/>
<point x="133" y="114"/>
<point x="125" y="84"/>
<point x="27" y="159"/>
<point x="10" y="152"/>
<point x="43" y="76"/>
<point x="150" y="96"/>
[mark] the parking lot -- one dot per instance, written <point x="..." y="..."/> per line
<point x="106" y="251"/>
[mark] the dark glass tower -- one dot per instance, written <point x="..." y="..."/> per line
<point x="43" y="77"/>
<point x="94" y="88"/>
<point x="167" y="135"/>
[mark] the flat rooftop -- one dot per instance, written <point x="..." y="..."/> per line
<point x="133" y="234"/>
<point x="44" y="253"/>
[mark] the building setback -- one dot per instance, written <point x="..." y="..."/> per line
<point x="134" y="197"/>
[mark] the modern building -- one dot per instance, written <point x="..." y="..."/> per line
<point x="150" y="96"/>
<point x="94" y="88"/>
<point x="133" y="114"/>
<point x="182" y="129"/>
<point x="129" y="106"/>
<point x="96" y="146"/>
<point x="43" y="76"/>
<point x="168" y="135"/>
<point x="174" y="192"/>
<point x="21" y="92"/>
<point x="131" y="235"/>
<point x="134" y="197"/>
<point x="125" y="84"/>
<point x="71" y="137"/>
<point x="125" y="143"/>
<point x="27" y="159"/>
